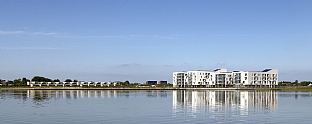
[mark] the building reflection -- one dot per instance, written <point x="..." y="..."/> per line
<point x="237" y="102"/>
<point x="156" y="93"/>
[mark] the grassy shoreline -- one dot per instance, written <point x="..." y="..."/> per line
<point x="117" y="88"/>
<point x="295" y="89"/>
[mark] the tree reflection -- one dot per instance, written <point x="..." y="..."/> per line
<point x="40" y="96"/>
<point x="15" y="94"/>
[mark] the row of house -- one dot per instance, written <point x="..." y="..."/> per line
<point x="80" y="84"/>
<point x="223" y="78"/>
<point x="4" y="82"/>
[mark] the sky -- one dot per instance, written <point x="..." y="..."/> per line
<point x="140" y="40"/>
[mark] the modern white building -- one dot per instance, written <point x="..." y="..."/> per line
<point x="223" y="78"/>
<point x="265" y="78"/>
<point x="179" y="79"/>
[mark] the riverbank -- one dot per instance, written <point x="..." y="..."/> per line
<point x="301" y="89"/>
<point x="114" y="88"/>
<point x="292" y="89"/>
<point x="297" y="89"/>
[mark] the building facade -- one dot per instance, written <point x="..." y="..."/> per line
<point x="179" y="79"/>
<point x="223" y="78"/>
<point x="151" y="82"/>
<point x="162" y="82"/>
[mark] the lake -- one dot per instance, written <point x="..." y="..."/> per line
<point x="140" y="106"/>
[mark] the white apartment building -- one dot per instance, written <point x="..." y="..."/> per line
<point x="266" y="78"/>
<point x="222" y="78"/>
<point x="179" y="79"/>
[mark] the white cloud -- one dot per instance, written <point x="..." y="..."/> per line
<point x="123" y="36"/>
<point x="152" y="36"/>
<point x="29" y="48"/>
<point x="168" y="65"/>
<point x="221" y="63"/>
<point x="43" y="33"/>
<point x="241" y="35"/>
<point x="27" y="33"/>
<point x="11" y="32"/>
<point x="130" y="65"/>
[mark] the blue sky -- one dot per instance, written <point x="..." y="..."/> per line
<point x="139" y="40"/>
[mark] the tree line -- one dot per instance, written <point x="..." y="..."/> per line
<point x="23" y="81"/>
<point x="295" y="83"/>
<point x="44" y="79"/>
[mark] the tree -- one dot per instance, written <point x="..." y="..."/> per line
<point x="127" y="82"/>
<point x="48" y="80"/>
<point x="17" y="82"/>
<point x="169" y="85"/>
<point x="37" y="78"/>
<point x="305" y="83"/>
<point x="68" y="80"/>
<point x="24" y="81"/>
<point x="75" y="80"/>
<point x="296" y="83"/>
<point x="41" y="79"/>
<point x="56" y="80"/>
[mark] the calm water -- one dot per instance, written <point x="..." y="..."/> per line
<point x="119" y="107"/>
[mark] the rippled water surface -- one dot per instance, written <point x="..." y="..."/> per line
<point x="180" y="106"/>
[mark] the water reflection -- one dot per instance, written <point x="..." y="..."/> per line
<point x="40" y="95"/>
<point x="295" y="95"/>
<point x="144" y="106"/>
<point x="155" y="93"/>
<point x="224" y="103"/>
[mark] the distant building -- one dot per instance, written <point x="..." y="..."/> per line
<point x="179" y="79"/>
<point x="285" y="83"/>
<point x="3" y="82"/>
<point x="222" y="78"/>
<point x="151" y="82"/>
<point x="162" y="82"/>
<point x="10" y="83"/>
